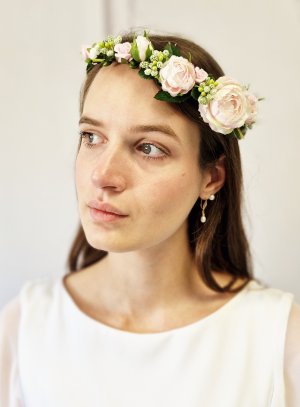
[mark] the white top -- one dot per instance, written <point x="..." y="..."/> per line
<point x="245" y="354"/>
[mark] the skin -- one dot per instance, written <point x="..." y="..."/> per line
<point x="148" y="281"/>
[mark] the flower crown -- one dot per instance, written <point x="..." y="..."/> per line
<point x="226" y="105"/>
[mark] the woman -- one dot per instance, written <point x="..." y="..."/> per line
<point x="159" y="306"/>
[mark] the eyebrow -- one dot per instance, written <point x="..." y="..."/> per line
<point x="141" y="128"/>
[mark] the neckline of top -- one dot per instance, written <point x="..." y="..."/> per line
<point x="179" y="330"/>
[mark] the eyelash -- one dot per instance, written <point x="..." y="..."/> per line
<point x="86" y="134"/>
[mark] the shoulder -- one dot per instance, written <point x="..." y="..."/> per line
<point x="292" y="357"/>
<point x="32" y="293"/>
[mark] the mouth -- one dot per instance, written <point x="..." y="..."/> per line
<point x="105" y="207"/>
<point x="105" y="216"/>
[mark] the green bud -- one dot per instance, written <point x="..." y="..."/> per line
<point x="211" y="81"/>
<point x="201" y="89"/>
<point x="203" y="94"/>
<point x="154" y="62"/>
<point x="202" y="100"/>
<point x="154" y="68"/>
<point x="161" y="57"/>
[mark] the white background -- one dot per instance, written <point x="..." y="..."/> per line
<point x="256" y="42"/>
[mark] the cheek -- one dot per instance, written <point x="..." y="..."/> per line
<point x="173" y="194"/>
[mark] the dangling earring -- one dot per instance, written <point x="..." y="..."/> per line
<point x="203" y="206"/>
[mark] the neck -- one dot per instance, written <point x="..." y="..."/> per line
<point x="152" y="280"/>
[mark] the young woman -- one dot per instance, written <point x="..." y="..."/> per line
<point x="159" y="306"/>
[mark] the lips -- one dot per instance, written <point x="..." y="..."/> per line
<point x="105" y="207"/>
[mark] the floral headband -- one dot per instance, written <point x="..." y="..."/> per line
<point x="226" y="105"/>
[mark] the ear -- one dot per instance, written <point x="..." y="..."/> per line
<point x="213" y="178"/>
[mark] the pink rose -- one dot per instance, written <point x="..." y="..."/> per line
<point x="201" y="75"/>
<point x="177" y="76"/>
<point x="231" y="107"/>
<point x="122" y="51"/>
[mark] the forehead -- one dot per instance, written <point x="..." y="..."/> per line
<point x="119" y="94"/>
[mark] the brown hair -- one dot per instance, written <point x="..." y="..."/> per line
<point x="220" y="244"/>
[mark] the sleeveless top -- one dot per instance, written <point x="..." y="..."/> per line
<point x="230" y="358"/>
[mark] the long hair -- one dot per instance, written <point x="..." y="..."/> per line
<point x="219" y="244"/>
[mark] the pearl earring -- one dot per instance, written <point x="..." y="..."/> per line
<point x="203" y="206"/>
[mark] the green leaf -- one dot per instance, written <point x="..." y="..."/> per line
<point x="89" y="67"/>
<point x="135" y="52"/>
<point x="146" y="35"/>
<point x="237" y="133"/>
<point x="195" y="93"/>
<point x="143" y="75"/>
<point x="149" y="51"/>
<point x="190" y="57"/>
<point x="166" y="97"/>
<point x="173" y="50"/>
<point x="259" y="99"/>
<point x="133" y="64"/>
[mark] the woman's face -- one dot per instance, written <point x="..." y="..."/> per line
<point x="142" y="159"/>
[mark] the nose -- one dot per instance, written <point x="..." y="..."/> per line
<point x="110" y="169"/>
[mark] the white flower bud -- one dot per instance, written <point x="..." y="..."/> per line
<point x="94" y="52"/>
<point x="110" y="53"/>
<point x="147" y="71"/>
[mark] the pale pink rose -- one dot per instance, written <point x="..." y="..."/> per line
<point x="142" y="45"/>
<point x="122" y="51"/>
<point x="177" y="76"/>
<point x="201" y="75"/>
<point x="230" y="108"/>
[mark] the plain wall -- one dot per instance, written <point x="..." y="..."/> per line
<point x="255" y="42"/>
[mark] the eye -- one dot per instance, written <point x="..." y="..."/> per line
<point x="88" y="138"/>
<point x="150" y="147"/>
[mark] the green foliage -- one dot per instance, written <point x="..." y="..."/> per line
<point x="173" y="50"/>
<point x="135" y="52"/>
<point x="195" y="93"/>
<point x="166" y="97"/>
